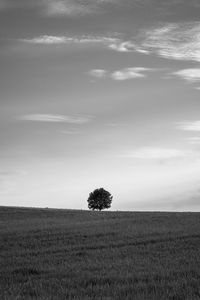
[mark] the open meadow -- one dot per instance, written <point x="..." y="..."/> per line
<point x="49" y="254"/>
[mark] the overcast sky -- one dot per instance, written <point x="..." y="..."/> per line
<point x="100" y="93"/>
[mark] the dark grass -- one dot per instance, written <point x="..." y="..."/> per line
<point x="66" y="254"/>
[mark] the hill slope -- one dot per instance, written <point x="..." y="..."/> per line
<point x="67" y="254"/>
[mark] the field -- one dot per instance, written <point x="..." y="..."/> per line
<point x="69" y="254"/>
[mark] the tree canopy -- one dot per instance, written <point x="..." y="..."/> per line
<point x="99" y="199"/>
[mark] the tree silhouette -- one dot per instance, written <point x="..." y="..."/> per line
<point x="99" y="199"/>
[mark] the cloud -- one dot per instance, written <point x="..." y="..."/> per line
<point x="53" y="40"/>
<point x="127" y="46"/>
<point x="58" y="7"/>
<point x="55" y="118"/>
<point x="174" y="41"/>
<point x="66" y="7"/>
<point x="123" y="74"/>
<point x="49" y="7"/>
<point x="47" y="39"/>
<point x="74" y="7"/>
<point x="98" y="73"/>
<point x="178" y="41"/>
<point x="129" y="73"/>
<point x="152" y="153"/>
<point x="190" y="75"/>
<point x="189" y="125"/>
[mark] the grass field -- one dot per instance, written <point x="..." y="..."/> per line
<point x="68" y="254"/>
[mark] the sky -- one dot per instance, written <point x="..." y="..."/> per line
<point x="100" y="93"/>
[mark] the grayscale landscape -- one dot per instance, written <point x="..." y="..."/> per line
<point x="99" y="149"/>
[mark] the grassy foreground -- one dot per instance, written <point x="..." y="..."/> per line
<point x="66" y="254"/>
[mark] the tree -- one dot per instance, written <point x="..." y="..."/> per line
<point x="99" y="199"/>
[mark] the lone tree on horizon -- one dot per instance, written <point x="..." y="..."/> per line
<point x="99" y="199"/>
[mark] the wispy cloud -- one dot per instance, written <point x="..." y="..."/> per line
<point x="47" y="39"/>
<point x="178" y="41"/>
<point x="52" y="8"/>
<point x="98" y="73"/>
<point x="174" y="41"/>
<point x="154" y="153"/>
<point x="129" y="73"/>
<point x="74" y="7"/>
<point x="58" y="7"/>
<point x="123" y="74"/>
<point x="56" y="118"/>
<point x="84" y="39"/>
<point x="189" y="125"/>
<point x="190" y="75"/>
<point x="127" y="46"/>
<point x="64" y="7"/>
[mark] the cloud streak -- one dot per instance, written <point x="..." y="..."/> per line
<point x="121" y="75"/>
<point x="129" y="73"/>
<point x="85" y="39"/>
<point x="191" y="75"/>
<point x="127" y="46"/>
<point x="47" y="40"/>
<point x="75" y="7"/>
<point x="189" y="126"/>
<point x="65" y="7"/>
<point x="98" y="73"/>
<point x="56" y="118"/>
